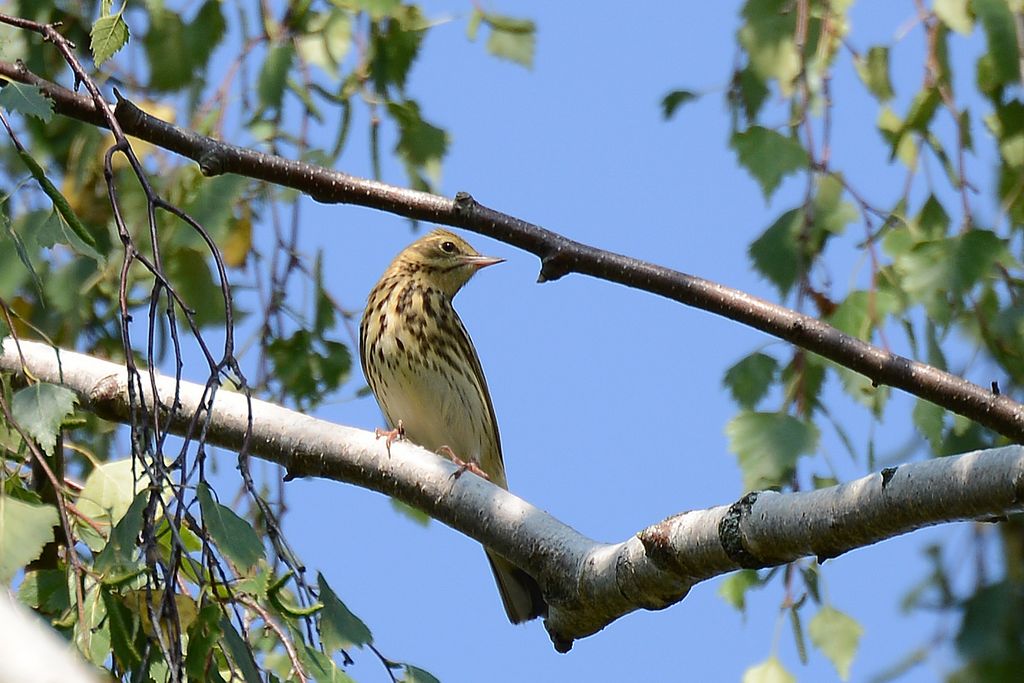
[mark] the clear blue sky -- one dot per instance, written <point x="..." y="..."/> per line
<point x="610" y="401"/>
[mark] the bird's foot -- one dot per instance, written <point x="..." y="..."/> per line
<point x="462" y="464"/>
<point x="391" y="434"/>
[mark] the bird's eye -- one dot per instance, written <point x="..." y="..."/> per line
<point x="448" y="247"/>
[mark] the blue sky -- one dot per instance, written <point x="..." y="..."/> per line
<point x="610" y="401"/>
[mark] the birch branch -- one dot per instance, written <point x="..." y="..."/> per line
<point x="588" y="584"/>
<point x="32" y="652"/>
<point x="559" y="255"/>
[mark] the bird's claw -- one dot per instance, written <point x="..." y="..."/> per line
<point x="462" y="464"/>
<point x="391" y="434"/>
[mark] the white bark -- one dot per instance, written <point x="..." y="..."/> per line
<point x="32" y="652"/>
<point x="588" y="584"/>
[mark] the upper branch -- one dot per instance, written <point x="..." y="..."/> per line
<point x="587" y="584"/>
<point x="559" y="255"/>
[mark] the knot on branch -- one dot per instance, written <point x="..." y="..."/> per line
<point x="106" y="398"/>
<point x="127" y="113"/>
<point x="211" y="161"/>
<point x="657" y="543"/>
<point x="554" y="265"/>
<point x="887" y="474"/>
<point x="730" y="534"/>
<point x="465" y="205"/>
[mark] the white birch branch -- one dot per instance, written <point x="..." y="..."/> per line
<point x="32" y="652"/>
<point x="588" y="584"/>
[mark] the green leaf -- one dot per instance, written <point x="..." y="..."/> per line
<point x="926" y="274"/>
<point x="922" y="110"/>
<point x="862" y="312"/>
<point x="777" y="254"/>
<point x="26" y="99"/>
<point x="108" y="493"/>
<point x="239" y="651"/>
<point x="798" y="633"/>
<point x="118" y="560"/>
<point x="512" y="39"/>
<point x="233" y="535"/>
<point x="768" y="671"/>
<point x="933" y="221"/>
<point x="862" y="389"/>
<point x="205" y="33"/>
<point x="109" y="34"/>
<point x="476" y="17"/>
<point x="419" y="142"/>
<point x="394" y="48"/>
<point x="811" y="575"/>
<point x="327" y="41"/>
<point x="749" y="91"/>
<point x="1007" y="125"/>
<point x="40" y="409"/>
<point x="323" y="317"/>
<point x="203" y="634"/>
<point x="767" y="34"/>
<point x="293" y="367"/>
<point x="837" y="636"/>
<point x="339" y="628"/>
<point x="57" y="230"/>
<point x="750" y="379"/>
<point x="768" y="445"/>
<point x="212" y="206"/>
<point x="675" y="99"/>
<point x="60" y="203"/>
<point x="831" y="213"/>
<point x="874" y="71"/>
<point x="322" y="668"/>
<point x="379" y="9"/>
<point x="309" y="368"/>
<point x="24" y="530"/>
<point x="803" y="378"/>
<point x="974" y="255"/>
<point x="733" y="588"/>
<point x="92" y="637"/>
<point x="992" y="626"/>
<point x="414" y="674"/>
<point x="190" y="273"/>
<point x="167" y="48"/>
<point x="45" y="590"/>
<point x="998" y="21"/>
<point x="12" y="234"/>
<point x="955" y="15"/>
<point x="769" y="156"/>
<point x="891" y="126"/>
<point x="414" y="514"/>
<point x="935" y="355"/>
<point x="274" y="75"/>
<point x="125" y="632"/>
<point x="930" y="421"/>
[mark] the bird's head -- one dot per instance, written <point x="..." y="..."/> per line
<point x="444" y="260"/>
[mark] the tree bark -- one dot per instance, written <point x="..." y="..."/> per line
<point x="588" y="584"/>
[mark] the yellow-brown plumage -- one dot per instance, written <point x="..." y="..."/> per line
<point x="424" y="371"/>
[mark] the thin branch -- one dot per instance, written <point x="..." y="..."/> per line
<point x="588" y="584"/>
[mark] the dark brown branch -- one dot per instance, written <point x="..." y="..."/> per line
<point x="559" y="256"/>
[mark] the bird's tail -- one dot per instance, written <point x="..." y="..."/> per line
<point x="520" y="593"/>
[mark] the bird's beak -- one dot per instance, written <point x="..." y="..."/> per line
<point x="479" y="261"/>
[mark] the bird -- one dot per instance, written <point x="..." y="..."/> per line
<point x="426" y="375"/>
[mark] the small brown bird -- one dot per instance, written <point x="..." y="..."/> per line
<point x="424" y="371"/>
